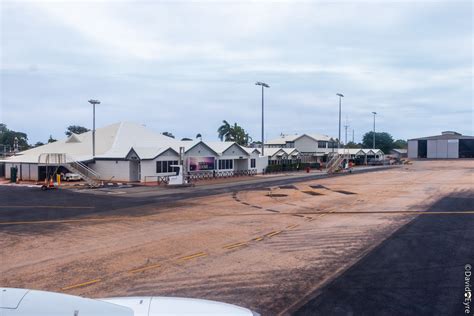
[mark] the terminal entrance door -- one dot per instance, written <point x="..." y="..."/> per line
<point x="134" y="170"/>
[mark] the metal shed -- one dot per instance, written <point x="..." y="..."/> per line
<point x="448" y="145"/>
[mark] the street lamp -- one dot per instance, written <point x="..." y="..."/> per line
<point x="340" y="95"/>
<point x="373" y="143"/>
<point x="264" y="85"/>
<point x="93" y="102"/>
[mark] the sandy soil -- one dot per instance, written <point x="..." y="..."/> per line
<point x="266" y="250"/>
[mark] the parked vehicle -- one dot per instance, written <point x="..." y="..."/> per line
<point x="375" y="162"/>
<point x="71" y="177"/>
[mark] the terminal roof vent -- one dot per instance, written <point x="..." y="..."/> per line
<point x="73" y="139"/>
<point x="450" y="133"/>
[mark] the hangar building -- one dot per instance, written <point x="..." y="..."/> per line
<point x="447" y="145"/>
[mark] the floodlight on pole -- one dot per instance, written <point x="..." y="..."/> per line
<point x="264" y="85"/>
<point x="373" y="143"/>
<point x="340" y="95"/>
<point x="93" y="102"/>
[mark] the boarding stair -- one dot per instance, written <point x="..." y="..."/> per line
<point x="335" y="161"/>
<point x="90" y="176"/>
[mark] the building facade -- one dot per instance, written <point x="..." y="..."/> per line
<point x="311" y="147"/>
<point x="130" y="152"/>
<point x="448" y="145"/>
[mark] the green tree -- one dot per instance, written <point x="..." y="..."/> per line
<point x="186" y="139"/>
<point x="7" y="138"/>
<point x="400" y="144"/>
<point x="383" y="141"/>
<point x="233" y="133"/>
<point x="76" y="129"/>
<point x="353" y="145"/>
<point x="38" y="144"/>
<point x="241" y="137"/>
<point x="198" y="135"/>
<point x="225" y="131"/>
<point x="168" y="134"/>
<point x="51" y="139"/>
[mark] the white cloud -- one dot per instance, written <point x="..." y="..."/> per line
<point x="153" y="61"/>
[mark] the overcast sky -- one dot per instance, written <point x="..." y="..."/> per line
<point x="184" y="66"/>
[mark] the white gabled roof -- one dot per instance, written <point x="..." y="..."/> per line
<point x="219" y="147"/>
<point x="131" y="135"/>
<point x="112" y="141"/>
<point x="282" y="140"/>
<point x="151" y="152"/>
<point x="251" y="150"/>
<point x="400" y="150"/>
<point x="291" y="151"/>
<point x="270" y="152"/>
<point x="360" y="151"/>
<point x="319" y="137"/>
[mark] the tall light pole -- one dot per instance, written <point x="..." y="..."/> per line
<point x="340" y="95"/>
<point x="373" y="143"/>
<point x="264" y="85"/>
<point x="345" y="141"/>
<point x="93" y="102"/>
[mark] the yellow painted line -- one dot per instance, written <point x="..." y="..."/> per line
<point x="258" y="238"/>
<point x="145" y="268"/>
<point x="43" y="206"/>
<point x="196" y="255"/>
<point x="235" y="245"/>
<point x="292" y="226"/>
<point x="273" y="233"/>
<point x="80" y="284"/>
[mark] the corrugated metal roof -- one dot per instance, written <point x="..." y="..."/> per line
<point x="444" y="137"/>
<point x="282" y="140"/>
<point x="115" y="141"/>
<point x="360" y="151"/>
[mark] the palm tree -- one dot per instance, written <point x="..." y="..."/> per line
<point x="225" y="131"/>
<point x="234" y="133"/>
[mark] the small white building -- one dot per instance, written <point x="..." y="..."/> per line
<point x="399" y="153"/>
<point x="362" y="155"/>
<point x="311" y="147"/>
<point x="315" y="148"/>
<point x="130" y="152"/>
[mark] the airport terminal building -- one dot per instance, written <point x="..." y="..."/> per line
<point x="447" y="145"/>
<point x="314" y="148"/>
<point x="130" y="152"/>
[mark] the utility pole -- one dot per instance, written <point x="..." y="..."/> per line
<point x="264" y="85"/>
<point x="353" y="136"/>
<point x="93" y="102"/>
<point x="345" y="141"/>
<point x="374" y="113"/>
<point x="340" y="95"/>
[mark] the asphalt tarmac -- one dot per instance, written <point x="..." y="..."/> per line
<point x="30" y="203"/>
<point x="420" y="270"/>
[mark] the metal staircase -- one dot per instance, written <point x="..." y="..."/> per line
<point x="336" y="159"/>
<point x="334" y="162"/>
<point x="90" y="176"/>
